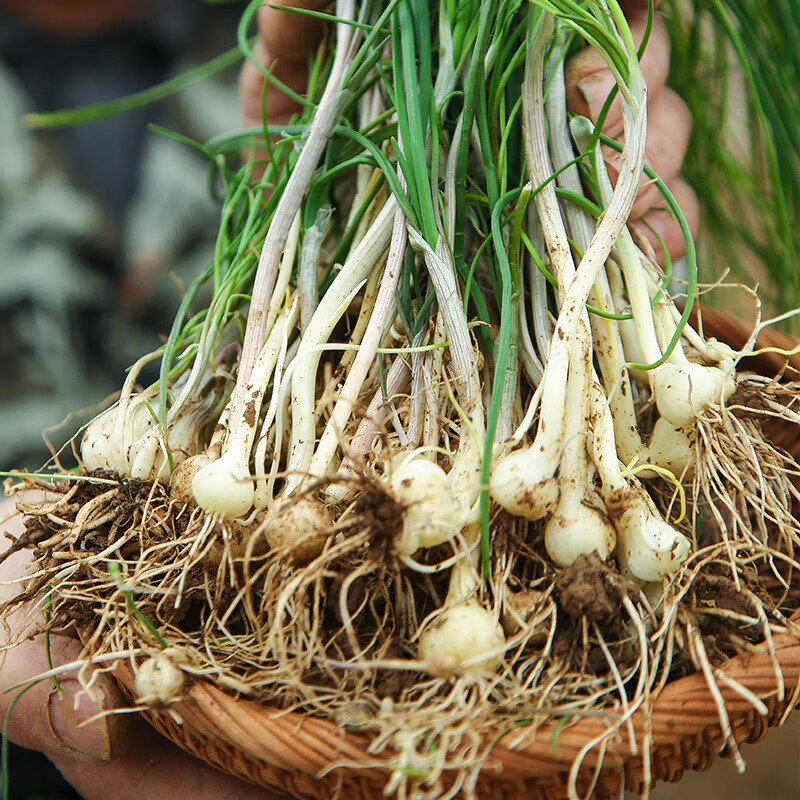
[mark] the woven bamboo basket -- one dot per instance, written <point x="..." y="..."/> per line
<point x="286" y="752"/>
<point x="302" y="756"/>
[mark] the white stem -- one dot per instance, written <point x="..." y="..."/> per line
<point x="560" y="146"/>
<point x="605" y="333"/>
<point x="608" y="231"/>
<point x="334" y="303"/>
<point x="443" y="275"/>
<point x="681" y="389"/>
<point x="538" y="159"/>
<point x="527" y="353"/>
<point x="277" y="411"/>
<point x="117" y="439"/>
<point x="450" y="183"/>
<point x="465" y="580"/>
<point x="319" y="132"/>
<point x="278" y="300"/>
<point x="370" y="108"/>
<point x="207" y="334"/>
<point x="396" y="382"/>
<point x="578" y="526"/>
<point x="225" y="486"/>
<point x="278" y="343"/>
<point x="430" y="385"/>
<point x="540" y="314"/>
<point x="366" y="352"/>
<point x="524" y="483"/>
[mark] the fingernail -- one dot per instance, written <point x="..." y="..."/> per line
<point x="595" y="89"/>
<point x="72" y="707"/>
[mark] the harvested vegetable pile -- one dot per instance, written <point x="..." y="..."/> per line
<point x="440" y="457"/>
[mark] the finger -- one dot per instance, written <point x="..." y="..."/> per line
<point x="42" y="718"/>
<point x="156" y="769"/>
<point x="589" y="80"/>
<point x="668" y="129"/>
<point x="285" y="40"/>
<point x="277" y="106"/>
<point x="662" y="221"/>
<point x="630" y="7"/>
<point x="287" y="35"/>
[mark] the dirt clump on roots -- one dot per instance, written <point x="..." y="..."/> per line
<point x="730" y="609"/>
<point x="379" y="511"/>
<point x="591" y="588"/>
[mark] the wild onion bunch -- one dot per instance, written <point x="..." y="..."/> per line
<point x="438" y="372"/>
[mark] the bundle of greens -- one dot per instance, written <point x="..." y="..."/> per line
<point x="441" y="456"/>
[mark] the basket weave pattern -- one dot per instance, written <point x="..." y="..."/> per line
<point x="285" y="751"/>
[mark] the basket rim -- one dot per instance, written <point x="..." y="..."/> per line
<point x="684" y="709"/>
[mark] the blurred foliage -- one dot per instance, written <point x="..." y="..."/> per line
<point x="737" y="65"/>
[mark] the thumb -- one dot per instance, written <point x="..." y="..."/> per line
<point x="589" y="80"/>
<point x="285" y="38"/>
<point x="59" y="722"/>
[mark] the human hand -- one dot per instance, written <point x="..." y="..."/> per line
<point x="115" y="756"/>
<point x="589" y="82"/>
